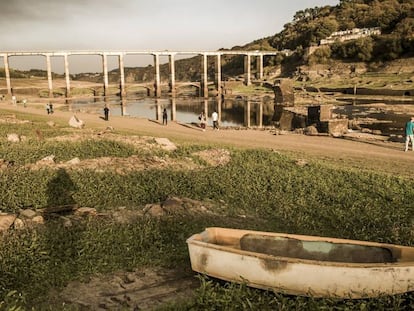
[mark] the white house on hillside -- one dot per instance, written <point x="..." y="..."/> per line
<point x="352" y="34"/>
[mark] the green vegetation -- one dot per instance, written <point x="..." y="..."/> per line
<point x="394" y="18"/>
<point x="269" y="189"/>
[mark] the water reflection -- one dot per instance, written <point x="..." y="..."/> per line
<point x="239" y="111"/>
<point x="232" y="112"/>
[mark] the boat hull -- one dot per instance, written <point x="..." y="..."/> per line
<point x="296" y="276"/>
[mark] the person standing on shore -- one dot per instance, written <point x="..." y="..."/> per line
<point x="409" y="134"/>
<point x="164" y="117"/>
<point x="203" y="120"/>
<point x="106" y="113"/>
<point x="214" y="117"/>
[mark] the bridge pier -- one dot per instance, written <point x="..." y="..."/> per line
<point x="247" y="114"/>
<point x="204" y="77"/>
<point x="218" y="74"/>
<point x="172" y="74"/>
<point x="205" y="109"/>
<point x="121" y="75"/>
<point x="7" y="74"/>
<point x="173" y="109"/>
<point x="105" y="73"/>
<point x="247" y="70"/>
<point x="49" y="75"/>
<point x="259" y="66"/>
<point x="157" y="82"/>
<point x="219" y="104"/>
<point x="259" y="115"/>
<point x="67" y="76"/>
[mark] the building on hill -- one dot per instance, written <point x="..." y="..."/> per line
<point x="341" y="36"/>
<point x="351" y="34"/>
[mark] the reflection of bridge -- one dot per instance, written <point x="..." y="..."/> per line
<point x="156" y="86"/>
<point x="149" y="87"/>
<point x="252" y="110"/>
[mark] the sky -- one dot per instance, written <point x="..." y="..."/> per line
<point x="136" y="25"/>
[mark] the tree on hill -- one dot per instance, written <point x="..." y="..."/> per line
<point x="395" y="18"/>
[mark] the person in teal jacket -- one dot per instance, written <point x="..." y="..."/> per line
<point x="409" y="134"/>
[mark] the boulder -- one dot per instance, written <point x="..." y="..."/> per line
<point x="14" y="138"/>
<point x="311" y="130"/>
<point x="86" y="211"/>
<point x="27" y="213"/>
<point x="166" y="144"/>
<point x="73" y="161"/>
<point x="76" y="123"/>
<point x="18" y="224"/>
<point x="6" y="221"/>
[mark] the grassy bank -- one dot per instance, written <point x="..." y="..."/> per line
<point x="257" y="189"/>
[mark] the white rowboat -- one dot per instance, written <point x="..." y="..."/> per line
<point x="303" y="265"/>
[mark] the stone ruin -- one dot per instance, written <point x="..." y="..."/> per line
<point x="284" y="95"/>
<point x="320" y="117"/>
<point x="317" y="119"/>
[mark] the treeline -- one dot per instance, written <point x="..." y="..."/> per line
<point x="28" y="73"/>
<point x="395" y="18"/>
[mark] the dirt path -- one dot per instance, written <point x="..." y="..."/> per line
<point x="382" y="156"/>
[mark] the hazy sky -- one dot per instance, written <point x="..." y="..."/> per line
<point x="43" y="25"/>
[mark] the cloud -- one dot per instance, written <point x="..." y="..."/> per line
<point x="29" y="11"/>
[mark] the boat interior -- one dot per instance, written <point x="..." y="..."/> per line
<point x="310" y="248"/>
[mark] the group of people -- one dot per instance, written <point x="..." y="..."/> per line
<point x="203" y="120"/>
<point x="49" y="108"/>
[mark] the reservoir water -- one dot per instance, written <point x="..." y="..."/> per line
<point x="244" y="111"/>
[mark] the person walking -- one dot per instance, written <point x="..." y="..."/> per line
<point x="409" y="134"/>
<point x="203" y="120"/>
<point x="106" y="113"/>
<point x="214" y="117"/>
<point x="164" y="117"/>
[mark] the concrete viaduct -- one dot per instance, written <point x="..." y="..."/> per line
<point x="248" y="55"/>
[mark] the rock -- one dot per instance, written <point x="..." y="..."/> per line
<point x="130" y="278"/>
<point x="311" y="130"/>
<point x="155" y="210"/>
<point x="166" y="144"/>
<point x="6" y="221"/>
<point x="73" y="161"/>
<point x="39" y="220"/>
<point x="51" y="123"/>
<point x="28" y="213"/>
<point x="66" y="221"/>
<point x="14" y="138"/>
<point x="76" y="123"/>
<point x="18" y="224"/>
<point x="49" y="159"/>
<point x="366" y="130"/>
<point x="173" y="205"/>
<point x="301" y="162"/>
<point x="86" y="211"/>
<point x="5" y="164"/>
